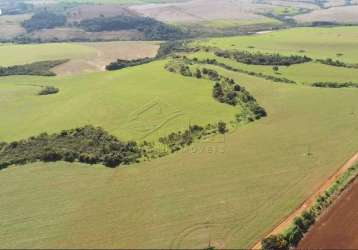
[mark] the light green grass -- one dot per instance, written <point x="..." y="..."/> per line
<point x="21" y="54"/>
<point x="316" y="42"/>
<point x="306" y="73"/>
<point x="230" y="195"/>
<point x="129" y="103"/>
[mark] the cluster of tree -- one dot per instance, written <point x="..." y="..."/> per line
<point x="335" y="85"/>
<point x="225" y="90"/>
<point x="36" y="68"/>
<point x="86" y="144"/>
<point x="44" y="20"/>
<point x="336" y="63"/>
<point x="48" y="90"/>
<point x="14" y="7"/>
<point x="152" y="29"/>
<point x="259" y="58"/>
<point x="177" y="141"/>
<point x="121" y="64"/>
<point x="252" y="73"/>
<point x="180" y="68"/>
<point x="171" y="47"/>
<point x="290" y="238"/>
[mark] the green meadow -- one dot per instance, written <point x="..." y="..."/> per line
<point x="144" y="102"/>
<point x="23" y="54"/>
<point x="305" y="73"/>
<point x="227" y="192"/>
<point x="315" y="42"/>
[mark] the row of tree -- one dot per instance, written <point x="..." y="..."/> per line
<point x="259" y="58"/>
<point x="290" y="238"/>
<point x="36" y="68"/>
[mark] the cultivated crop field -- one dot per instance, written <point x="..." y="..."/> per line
<point x="227" y="192"/>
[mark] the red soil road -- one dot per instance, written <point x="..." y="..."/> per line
<point x="286" y="222"/>
<point x="338" y="227"/>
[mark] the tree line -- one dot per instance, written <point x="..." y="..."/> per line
<point x="87" y="144"/>
<point x="152" y="29"/>
<point x="259" y="58"/>
<point x="290" y="238"/>
<point x="36" y="68"/>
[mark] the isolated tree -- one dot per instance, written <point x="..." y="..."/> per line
<point x="275" y="68"/>
<point x="222" y="127"/>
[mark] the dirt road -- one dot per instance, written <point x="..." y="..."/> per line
<point x="309" y="201"/>
<point x="338" y="227"/>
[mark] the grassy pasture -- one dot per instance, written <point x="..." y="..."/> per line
<point x="21" y="54"/>
<point x="315" y="42"/>
<point x="230" y="195"/>
<point x="128" y="103"/>
<point x="230" y="23"/>
<point x="301" y="73"/>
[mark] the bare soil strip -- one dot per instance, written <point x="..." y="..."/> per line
<point x="286" y="222"/>
<point x="338" y="227"/>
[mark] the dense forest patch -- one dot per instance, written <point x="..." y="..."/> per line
<point x="152" y="29"/>
<point x="36" y="68"/>
<point x="87" y="144"/>
<point x="259" y="58"/>
<point x="44" y="20"/>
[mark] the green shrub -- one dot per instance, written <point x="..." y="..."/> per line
<point x="48" y="90"/>
<point x="274" y="242"/>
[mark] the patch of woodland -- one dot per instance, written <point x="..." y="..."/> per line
<point x="37" y="68"/>
<point x="259" y="58"/>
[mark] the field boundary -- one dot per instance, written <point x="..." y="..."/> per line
<point x="287" y="221"/>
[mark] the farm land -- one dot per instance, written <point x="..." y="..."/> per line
<point x="275" y="162"/>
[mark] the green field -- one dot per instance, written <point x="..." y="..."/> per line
<point x="228" y="193"/>
<point x="315" y="42"/>
<point x="129" y="103"/>
<point x="306" y="73"/>
<point x="22" y="54"/>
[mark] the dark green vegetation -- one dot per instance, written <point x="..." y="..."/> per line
<point x="37" y="68"/>
<point x="165" y="49"/>
<point x="87" y="144"/>
<point x="177" y="141"/>
<point x="336" y="63"/>
<point x="335" y="85"/>
<point x="260" y="58"/>
<point x="44" y="20"/>
<point x="251" y="73"/>
<point x="15" y="7"/>
<point x="152" y="29"/>
<point x="301" y="224"/>
<point x="120" y="64"/>
<point x="48" y="90"/>
<point x="225" y="90"/>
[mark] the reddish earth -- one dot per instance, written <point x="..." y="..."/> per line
<point x="287" y="221"/>
<point x="338" y="227"/>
